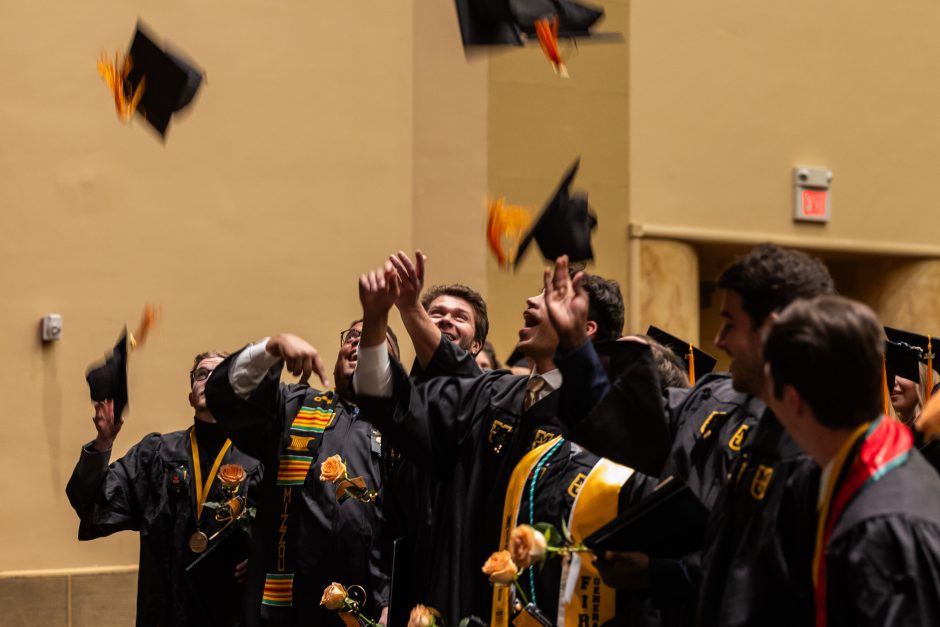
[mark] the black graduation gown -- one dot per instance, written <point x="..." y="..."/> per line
<point x="756" y="566"/>
<point x="883" y="560"/>
<point x="410" y="496"/>
<point x="334" y="542"/>
<point x="469" y="434"/>
<point x="151" y="490"/>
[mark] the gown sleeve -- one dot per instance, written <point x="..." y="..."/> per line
<point x="111" y="498"/>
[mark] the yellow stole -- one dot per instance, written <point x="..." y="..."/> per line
<point x="594" y="506"/>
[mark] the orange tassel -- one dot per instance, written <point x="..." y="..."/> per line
<point x="546" y="29"/>
<point x="147" y="320"/>
<point x="929" y="391"/>
<point x="691" y="365"/>
<point x="885" y="391"/>
<point x="505" y="227"/>
<point x="114" y="75"/>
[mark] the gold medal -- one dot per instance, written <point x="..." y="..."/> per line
<point x="198" y="542"/>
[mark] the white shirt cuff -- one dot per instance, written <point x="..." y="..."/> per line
<point x="373" y="376"/>
<point x="250" y="367"/>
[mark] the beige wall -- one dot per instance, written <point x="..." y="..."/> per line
<point x="314" y="150"/>
<point x="726" y="97"/>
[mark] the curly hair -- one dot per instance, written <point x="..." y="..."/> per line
<point x="769" y="278"/>
<point x="605" y="306"/>
<point x="481" y="321"/>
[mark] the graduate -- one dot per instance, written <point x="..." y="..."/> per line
<point x="876" y="555"/>
<point x="720" y="429"/>
<point x="306" y="535"/>
<point x="191" y="559"/>
<point x="469" y="433"/>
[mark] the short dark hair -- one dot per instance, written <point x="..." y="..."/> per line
<point x="605" y="306"/>
<point x="198" y="358"/>
<point x="481" y="326"/>
<point x="388" y="332"/>
<point x="769" y="278"/>
<point x="672" y="372"/>
<point x="831" y="350"/>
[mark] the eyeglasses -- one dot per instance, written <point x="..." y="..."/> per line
<point x="201" y="374"/>
<point x="349" y="336"/>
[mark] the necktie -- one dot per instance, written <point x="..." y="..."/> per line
<point x="532" y="389"/>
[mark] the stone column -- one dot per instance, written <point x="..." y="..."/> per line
<point x="664" y="288"/>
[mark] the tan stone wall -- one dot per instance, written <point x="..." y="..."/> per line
<point x="313" y="151"/>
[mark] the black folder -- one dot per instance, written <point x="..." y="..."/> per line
<point x="670" y="522"/>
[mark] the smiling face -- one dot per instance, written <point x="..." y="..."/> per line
<point x="904" y="397"/>
<point x="537" y="338"/>
<point x="742" y="342"/>
<point x="197" y="395"/>
<point x="454" y="317"/>
<point x="346" y="358"/>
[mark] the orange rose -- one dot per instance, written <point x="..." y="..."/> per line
<point x="332" y="469"/>
<point x="231" y="476"/>
<point x="422" y="616"/>
<point x="500" y="568"/>
<point x="526" y="546"/>
<point x="334" y="596"/>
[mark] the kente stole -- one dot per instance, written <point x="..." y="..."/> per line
<point x="296" y="458"/>
<point x="873" y="450"/>
<point x="595" y="505"/>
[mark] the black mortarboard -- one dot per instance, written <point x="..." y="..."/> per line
<point x="901" y="360"/>
<point x="505" y="22"/>
<point x="921" y="342"/>
<point x="669" y="522"/>
<point x="627" y="426"/>
<point x="564" y="226"/>
<point x="109" y="379"/>
<point x="703" y="362"/>
<point x="170" y="82"/>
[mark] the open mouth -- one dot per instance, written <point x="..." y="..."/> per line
<point x="530" y="319"/>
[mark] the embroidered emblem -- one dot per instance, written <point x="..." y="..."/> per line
<point x="575" y="486"/>
<point x="541" y="437"/>
<point x="738" y="438"/>
<point x="761" y="481"/>
<point x="704" y="430"/>
<point x="299" y="442"/>
<point x="499" y="435"/>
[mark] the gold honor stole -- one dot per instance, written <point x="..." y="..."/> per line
<point x="594" y="506"/>
<point x="294" y="464"/>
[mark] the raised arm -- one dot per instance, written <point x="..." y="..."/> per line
<point x="108" y="498"/>
<point x="421" y="329"/>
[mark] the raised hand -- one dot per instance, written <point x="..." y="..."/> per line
<point x="567" y="304"/>
<point x="300" y="357"/>
<point x="378" y="291"/>
<point x="107" y="426"/>
<point x="411" y="278"/>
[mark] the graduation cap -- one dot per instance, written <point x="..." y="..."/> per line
<point x="901" y="360"/>
<point x="108" y="380"/>
<point x="564" y="226"/>
<point x="627" y="425"/>
<point x="152" y="80"/>
<point x="512" y="22"/>
<point x="669" y="522"/>
<point x="509" y="22"/>
<point x="697" y="362"/>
